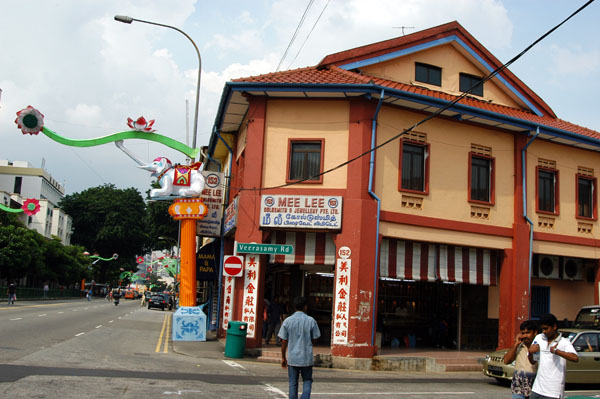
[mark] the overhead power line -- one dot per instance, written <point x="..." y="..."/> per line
<point x="432" y="115"/>
<point x="309" y="33"/>
<point x="310" y="3"/>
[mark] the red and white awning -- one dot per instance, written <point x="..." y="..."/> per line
<point x="309" y="248"/>
<point x="408" y="260"/>
<point x="468" y="265"/>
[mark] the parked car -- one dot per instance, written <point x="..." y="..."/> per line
<point x="157" y="301"/>
<point x="585" y="341"/>
<point x="588" y="317"/>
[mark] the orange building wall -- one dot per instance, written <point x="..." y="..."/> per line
<point x="452" y="62"/>
<point x="306" y="119"/>
<point x="450" y="144"/>
<point x="567" y="159"/>
<point x="567" y="297"/>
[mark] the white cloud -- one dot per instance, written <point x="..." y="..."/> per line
<point x="574" y="62"/>
<point x="84" y="114"/>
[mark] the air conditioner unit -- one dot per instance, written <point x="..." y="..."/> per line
<point x="572" y="269"/>
<point x="547" y="267"/>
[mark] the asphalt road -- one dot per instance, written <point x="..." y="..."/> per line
<point x="81" y="349"/>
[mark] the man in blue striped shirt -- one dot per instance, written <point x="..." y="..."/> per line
<point x="298" y="333"/>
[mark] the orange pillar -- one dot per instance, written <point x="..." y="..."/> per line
<point x="187" y="287"/>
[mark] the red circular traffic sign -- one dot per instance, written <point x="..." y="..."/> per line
<point x="233" y="266"/>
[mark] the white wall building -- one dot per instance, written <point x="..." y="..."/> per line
<point x="19" y="180"/>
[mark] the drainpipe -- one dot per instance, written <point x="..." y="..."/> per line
<point x="529" y="221"/>
<point x="220" y="278"/>
<point x="372" y="194"/>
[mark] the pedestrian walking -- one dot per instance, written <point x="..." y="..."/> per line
<point x="46" y="289"/>
<point x="554" y="351"/>
<point x="274" y="320"/>
<point x="298" y="333"/>
<point x="525" y="366"/>
<point x="12" y="293"/>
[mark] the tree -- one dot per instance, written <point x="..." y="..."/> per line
<point x="108" y="220"/>
<point x="21" y="252"/>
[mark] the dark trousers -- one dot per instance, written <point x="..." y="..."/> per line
<point x="293" y="373"/>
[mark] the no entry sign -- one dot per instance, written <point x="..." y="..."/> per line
<point x="233" y="265"/>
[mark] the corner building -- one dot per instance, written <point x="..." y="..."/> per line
<point x="449" y="234"/>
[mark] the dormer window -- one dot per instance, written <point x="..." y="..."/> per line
<point x="428" y="74"/>
<point x="470" y="81"/>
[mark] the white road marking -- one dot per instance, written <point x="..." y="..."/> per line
<point x="178" y="393"/>
<point x="42" y="315"/>
<point x="271" y="388"/>
<point x="81" y="333"/>
<point x="369" y="394"/>
<point x="85" y="308"/>
<point x="119" y="317"/>
<point x="17" y="318"/>
<point x="99" y="326"/>
<point x="111" y="321"/>
<point x="61" y="312"/>
<point x="75" y="310"/>
<point x="231" y="363"/>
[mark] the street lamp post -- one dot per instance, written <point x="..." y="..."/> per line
<point x="128" y="20"/>
<point x="187" y="247"/>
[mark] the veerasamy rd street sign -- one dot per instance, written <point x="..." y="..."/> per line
<point x="269" y="249"/>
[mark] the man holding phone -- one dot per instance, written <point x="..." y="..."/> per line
<point x="554" y="351"/>
<point x="525" y="367"/>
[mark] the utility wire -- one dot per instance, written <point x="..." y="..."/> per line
<point x="310" y="3"/>
<point x="431" y="116"/>
<point x="309" y="33"/>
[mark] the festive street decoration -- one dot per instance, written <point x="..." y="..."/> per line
<point x="141" y="125"/>
<point x="125" y="275"/>
<point x="30" y="207"/>
<point x="189" y="208"/>
<point x="178" y="180"/>
<point x="31" y="121"/>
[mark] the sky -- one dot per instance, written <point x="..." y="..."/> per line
<point x="88" y="73"/>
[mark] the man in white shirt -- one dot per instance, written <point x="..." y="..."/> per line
<point x="554" y="351"/>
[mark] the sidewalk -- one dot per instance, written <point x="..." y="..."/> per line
<point x="424" y="360"/>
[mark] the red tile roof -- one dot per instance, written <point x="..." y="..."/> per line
<point x="336" y="75"/>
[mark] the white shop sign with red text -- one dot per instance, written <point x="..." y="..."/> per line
<point x="228" y="300"/>
<point x="342" y="301"/>
<point x="251" y="271"/>
<point x="301" y="211"/>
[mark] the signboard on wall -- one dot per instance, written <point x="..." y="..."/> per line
<point x="301" y="211"/>
<point x="231" y="216"/>
<point x="212" y="196"/>
<point x="251" y="273"/>
<point x="341" y="312"/>
<point x="228" y="296"/>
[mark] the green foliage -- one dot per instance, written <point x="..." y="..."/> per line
<point x="108" y="220"/>
<point x="160" y="224"/>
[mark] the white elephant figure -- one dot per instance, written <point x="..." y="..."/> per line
<point x="178" y="180"/>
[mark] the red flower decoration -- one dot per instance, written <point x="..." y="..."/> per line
<point x="30" y="120"/>
<point x="141" y="124"/>
<point x="31" y="206"/>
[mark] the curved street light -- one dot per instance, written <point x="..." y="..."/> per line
<point x="128" y="20"/>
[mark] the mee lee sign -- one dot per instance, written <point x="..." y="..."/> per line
<point x="301" y="211"/>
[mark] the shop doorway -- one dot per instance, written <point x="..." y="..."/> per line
<point x="286" y="282"/>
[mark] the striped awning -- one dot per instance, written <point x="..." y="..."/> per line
<point x="309" y="248"/>
<point x="408" y="260"/>
<point x="468" y="265"/>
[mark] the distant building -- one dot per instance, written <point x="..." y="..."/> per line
<point x="19" y="180"/>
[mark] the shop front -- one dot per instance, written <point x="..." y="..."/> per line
<point x="308" y="272"/>
<point x="435" y="295"/>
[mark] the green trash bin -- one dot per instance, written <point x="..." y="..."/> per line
<point x="236" y="339"/>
